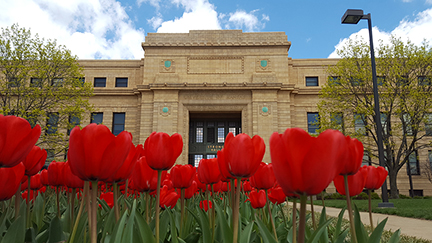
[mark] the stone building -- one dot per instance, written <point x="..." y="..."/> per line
<point x="204" y="84"/>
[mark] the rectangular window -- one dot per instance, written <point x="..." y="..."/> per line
<point x="402" y="81"/>
<point x="337" y="121"/>
<point x="385" y="123"/>
<point x="211" y="156"/>
<point x="210" y="134"/>
<point x="356" y="81"/>
<point x="13" y="83"/>
<point x="381" y="80"/>
<point x="99" y="82"/>
<point x="221" y="134"/>
<point x="198" y="158"/>
<point x="311" y="81"/>
<point x="232" y="130"/>
<point x="360" y="124"/>
<point x="199" y="135"/>
<point x="57" y="82"/>
<point x="334" y="80"/>
<point x="73" y="121"/>
<point x="366" y="159"/>
<point x="118" y="123"/>
<point x="313" y="122"/>
<point x="81" y="82"/>
<point x="413" y="164"/>
<point x="428" y="124"/>
<point x="36" y="82"/>
<point x="424" y="81"/>
<point x="406" y="122"/>
<point x="121" y="82"/>
<point x="96" y="117"/>
<point x="52" y="122"/>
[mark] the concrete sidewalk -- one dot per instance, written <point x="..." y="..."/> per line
<point x="419" y="228"/>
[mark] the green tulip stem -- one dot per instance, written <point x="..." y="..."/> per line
<point x="182" y="207"/>
<point x="17" y="202"/>
<point x="58" y="201"/>
<point x="283" y="214"/>
<point x="313" y="213"/>
<point x="94" y="205"/>
<point x="207" y="192"/>
<point x="270" y="215"/>
<point x="72" y="211"/>
<point x="232" y="193"/>
<point x="158" y="204"/>
<point x="126" y="193"/>
<point x="294" y="220"/>
<point x="236" y="212"/>
<point x="370" y="209"/>
<point x="28" y="202"/>
<point x="116" y="205"/>
<point x="147" y="199"/>
<point x="213" y="213"/>
<point x="302" y="222"/>
<point x="88" y="205"/>
<point x="350" y="211"/>
<point x="75" y="227"/>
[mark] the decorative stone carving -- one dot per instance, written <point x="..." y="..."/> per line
<point x="263" y="65"/>
<point x="264" y="109"/>
<point x="164" y="109"/>
<point x="215" y="65"/>
<point x="167" y="66"/>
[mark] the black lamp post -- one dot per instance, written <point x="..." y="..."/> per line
<point x="353" y="16"/>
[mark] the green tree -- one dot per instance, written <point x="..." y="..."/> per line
<point x="43" y="83"/>
<point x="404" y="73"/>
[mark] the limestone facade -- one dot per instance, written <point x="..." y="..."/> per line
<point x="249" y="75"/>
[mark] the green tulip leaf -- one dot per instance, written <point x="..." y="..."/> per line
<point x="266" y="235"/>
<point x="109" y="225"/>
<point x="56" y="231"/>
<point x="16" y="231"/>
<point x="163" y="225"/>
<point x="316" y="235"/>
<point x="173" y="229"/>
<point x="324" y="237"/>
<point x="144" y="229"/>
<point x="245" y="235"/>
<point x="223" y="228"/>
<point x="342" y="236"/>
<point x="338" y="228"/>
<point x="30" y="235"/>
<point x="395" y="237"/>
<point x="375" y="237"/>
<point x="39" y="211"/>
<point x="359" y="227"/>
<point x="203" y="222"/>
<point x="118" y="229"/>
<point x="128" y="232"/>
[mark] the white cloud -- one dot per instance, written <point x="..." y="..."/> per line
<point x="154" y="3"/>
<point x="155" y="22"/>
<point x="90" y="29"/>
<point x="416" y="31"/>
<point x="428" y="1"/>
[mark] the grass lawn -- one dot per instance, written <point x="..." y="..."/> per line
<point x="412" y="208"/>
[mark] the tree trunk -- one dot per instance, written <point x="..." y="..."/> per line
<point x="393" y="185"/>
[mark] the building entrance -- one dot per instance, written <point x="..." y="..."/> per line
<point x="207" y="134"/>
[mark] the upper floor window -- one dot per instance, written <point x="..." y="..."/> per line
<point x="413" y="164"/>
<point x="52" y="122"/>
<point x="36" y="82"/>
<point x="96" y="117"/>
<point x="313" y="122"/>
<point x="337" y="121"/>
<point x="99" y="82"/>
<point x="360" y="124"/>
<point x="118" y="123"/>
<point x="385" y="123"/>
<point x="311" y="81"/>
<point x="402" y="81"/>
<point x="121" y="82"/>
<point x="423" y="80"/>
<point x="366" y="159"/>
<point x="381" y="80"/>
<point x="81" y="82"/>
<point x="73" y="121"/>
<point x="334" y="80"/>
<point x="356" y="81"/>
<point x="407" y="126"/>
<point x="13" y="83"/>
<point x="57" y="82"/>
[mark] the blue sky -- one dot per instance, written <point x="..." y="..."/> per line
<point x="110" y="29"/>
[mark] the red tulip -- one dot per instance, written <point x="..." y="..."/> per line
<point x="145" y="178"/>
<point x="32" y="195"/>
<point x="182" y="176"/>
<point x="257" y="199"/>
<point x="276" y="195"/>
<point x="17" y="139"/>
<point x="10" y="181"/>
<point x="247" y="186"/>
<point x="205" y="205"/>
<point x="162" y="151"/>
<point x="264" y="177"/>
<point x="55" y="174"/>
<point x="167" y="182"/>
<point x="190" y="191"/>
<point x="95" y="153"/>
<point x="208" y="171"/>
<point x="108" y="198"/>
<point x="34" y="161"/>
<point x="375" y="177"/>
<point x="243" y="154"/>
<point x="168" y="198"/>
<point x="354" y="156"/>
<point x="356" y="183"/>
<point x="44" y="177"/>
<point x="201" y="186"/>
<point x="35" y="182"/>
<point x="217" y="187"/>
<point x="303" y="164"/>
<point x="71" y="180"/>
<point x="125" y="171"/>
<point x="223" y="167"/>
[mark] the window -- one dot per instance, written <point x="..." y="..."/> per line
<point x="197" y="159"/>
<point x="366" y="159"/>
<point x="73" y="121"/>
<point x="356" y="81"/>
<point x="311" y="81"/>
<point x="57" y="82"/>
<point x="407" y="126"/>
<point x="52" y="123"/>
<point x="210" y="132"/>
<point x="337" y="121"/>
<point x="334" y="80"/>
<point x="381" y="80"/>
<point x="118" y="123"/>
<point x="313" y="123"/>
<point x="430" y="158"/>
<point x="211" y="156"/>
<point x="81" y="82"/>
<point x="36" y="82"/>
<point x="385" y="123"/>
<point x="96" y="117"/>
<point x="423" y="81"/>
<point x="221" y="134"/>
<point x="121" y="82"/>
<point x="50" y="156"/>
<point x="360" y="124"/>
<point x="413" y="164"/>
<point x="402" y="81"/>
<point x="99" y="82"/>
<point x="13" y="83"/>
<point x="428" y="124"/>
<point x="199" y="134"/>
